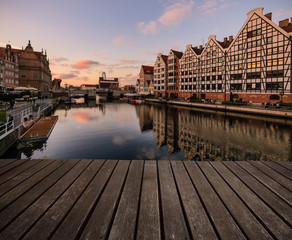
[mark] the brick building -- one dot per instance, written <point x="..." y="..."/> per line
<point x="172" y="87"/>
<point x="146" y="79"/>
<point x="34" y="69"/>
<point x="9" y="70"/>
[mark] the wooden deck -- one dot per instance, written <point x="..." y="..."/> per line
<point x="41" y="130"/>
<point x="110" y="199"/>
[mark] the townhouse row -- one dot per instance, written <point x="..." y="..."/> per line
<point x="254" y="66"/>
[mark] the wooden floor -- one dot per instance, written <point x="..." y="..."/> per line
<point x="41" y="129"/>
<point x="110" y="199"/>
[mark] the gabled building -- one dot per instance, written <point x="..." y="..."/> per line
<point x="173" y="73"/>
<point x="189" y="72"/>
<point x="212" y="63"/>
<point x="9" y="69"/>
<point x="146" y="79"/>
<point x="258" y="63"/>
<point x="160" y="75"/>
<point x="34" y="69"/>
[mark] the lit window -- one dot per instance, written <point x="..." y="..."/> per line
<point x="280" y="61"/>
<point x="269" y="63"/>
<point x="275" y="62"/>
<point x="254" y="65"/>
<point x="248" y="65"/>
<point x="258" y="64"/>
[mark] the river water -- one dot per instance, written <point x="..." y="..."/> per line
<point x="114" y="130"/>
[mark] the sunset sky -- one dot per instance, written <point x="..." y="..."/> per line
<point x="84" y="38"/>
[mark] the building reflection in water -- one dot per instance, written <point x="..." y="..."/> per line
<point x="145" y="114"/>
<point x="211" y="136"/>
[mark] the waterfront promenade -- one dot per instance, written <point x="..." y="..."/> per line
<point x="254" y="109"/>
<point x="110" y="199"/>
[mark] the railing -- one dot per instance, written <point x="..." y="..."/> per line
<point x="6" y="128"/>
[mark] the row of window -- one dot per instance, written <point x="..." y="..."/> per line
<point x="207" y="78"/>
<point x="203" y="87"/>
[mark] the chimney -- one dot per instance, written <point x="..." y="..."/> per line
<point x="269" y="16"/>
<point x="230" y="38"/>
<point x="201" y="46"/>
<point x="284" y="23"/>
<point x="225" y="40"/>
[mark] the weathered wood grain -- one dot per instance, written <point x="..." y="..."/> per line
<point x="77" y="218"/>
<point x="227" y="229"/>
<point x="100" y="221"/>
<point x="149" y="217"/>
<point x="124" y="224"/>
<point x="198" y="221"/>
<point x="174" y="224"/>
<point x="247" y="221"/>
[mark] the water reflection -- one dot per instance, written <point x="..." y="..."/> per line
<point x="207" y="136"/>
<point x="113" y="130"/>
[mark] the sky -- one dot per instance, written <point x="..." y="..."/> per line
<point x="84" y="38"/>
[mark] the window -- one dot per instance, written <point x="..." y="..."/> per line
<point x="213" y="77"/>
<point x="219" y="87"/>
<point x="213" y="86"/>
<point x="240" y="47"/>
<point x="269" y="63"/>
<point x="248" y="65"/>
<point x="208" y="86"/>
<point x="280" y="61"/>
<point x="269" y="40"/>
<point x="219" y="77"/>
<point x="203" y="87"/>
<point x="269" y="51"/>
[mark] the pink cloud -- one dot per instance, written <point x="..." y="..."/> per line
<point x="148" y="28"/>
<point x="59" y="59"/>
<point x="85" y="64"/>
<point x="173" y="15"/>
<point x="67" y="75"/>
<point x="176" y="13"/>
<point x="122" y="41"/>
<point x="83" y="78"/>
<point x="211" y="6"/>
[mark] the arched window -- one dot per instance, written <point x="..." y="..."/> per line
<point x="274" y="97"/>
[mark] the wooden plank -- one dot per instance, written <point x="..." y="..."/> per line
<point x="246" y="220"/>
<point x="268" y="218"/>
<point x="287" y="165"/>
<point x="174" y="225"/>
<point x="45" y="227"/>
<point x="30" y="216"/>
<point x="149" y="218"/>
<point x="267" y="180"/>
<point x="124" y="224"/>
<point x="23" y="176"/>
<point x="20" y="189"/>
<point x="227" y="229"/>
<point x="77" y="218"/>
<point x="198" y="221"/>
<point x="273" y="200"/>
<point x="272" y="173"/>
<point x="12" y="165"/>
<point x="4" y="162"/>
<point x="16" y="171"/>
<point x="25" y="200"/>
<point x="98" y="227"/>
<point x="280" y="169"/>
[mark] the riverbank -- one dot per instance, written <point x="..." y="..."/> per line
<point x="252" y="110"/>
<point x="111" y="199"/>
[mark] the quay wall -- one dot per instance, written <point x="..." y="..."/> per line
<point x="226" y="108"/>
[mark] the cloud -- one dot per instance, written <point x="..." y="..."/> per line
<point x="173" y="15"/>
<point x="122" y="41"/>
<point x="148" y="28"/>
<point x="59" y="59"/>
<point x="176" y="13"/>
<point x="211" y="6"/>
<point x="67" y="75"/>
<point x="84" y="64"/>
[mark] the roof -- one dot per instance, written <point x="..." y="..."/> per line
<point x="177" y="53"/>
<point x="288" y="28"/>
<point x="164" y="57"/>
<point x="225" y="44"/>
<point x="88" y="85"/>
<point x="197" y="50"/>
<point x="148" y="69"/>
